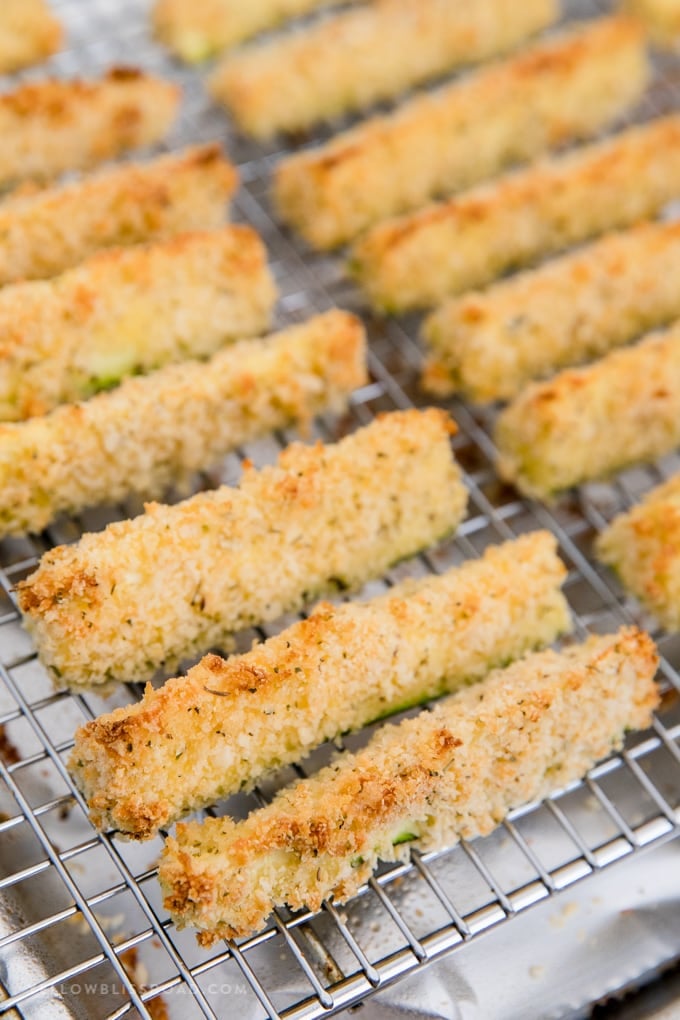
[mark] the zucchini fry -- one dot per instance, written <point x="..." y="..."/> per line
<point x="169" y="585"/>
<point x="566" y="87"/>
<point x="448" y="774"/>
<point x="419" y="260"/>
<point x="43" y="232"/>
<point x="154" y="430"/>
<point x="587" y="423"/>
<point x="198" y="29"/>
<point x="358" y="57"/>
<point x="225" y="724"/>
<point x="52" y="126"/>
<point x="29" y="34"/>
<point x="487" y="345"/>
<point x="128" y="311"/>
<point x="661" y="17"/>
<point x="643" y="547"/>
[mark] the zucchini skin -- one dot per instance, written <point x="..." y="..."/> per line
<point x="225" y="724"/>
<point x="128" y="311"/>
<point x="448" y="774"/>
<point x="152" y="431"/>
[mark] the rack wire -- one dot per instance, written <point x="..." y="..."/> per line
<point x="82" y="910"/>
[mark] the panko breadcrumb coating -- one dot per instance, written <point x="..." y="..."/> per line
<point x="197" y="29"/>
<point x="46" y="231"/>
<point x="29" y="33"/>
<point x="566" y="87"/>
<point x="643" y="547"/>
<point x="225" y="724"/>
<point x="358" y="57"/>
<point x="148" y="593"/>
<point x="419" y="260"/>
<point x="587" y="423"/>
<point x="662" y="18"/>
<point x="448" y="774"/>
<point x="127" y="311"/>
<point x="49" y="127"/>
<point x="488" y="344"/>
<point x="152" y="431"/>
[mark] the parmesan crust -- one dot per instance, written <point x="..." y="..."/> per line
<point x="447" y="248"/>
<point x="488" y="344"/>
<point x="29" y="33"/>
<point x="52" y="126"/>
<point x="128" y="311"/>
<point x="588" y="423"/>
<point x="197" y="29"/>
<point x="568" y="86"/>
<point x="358" y="57"/>
<point x="225" y="724"/>
<point x="661" y="17"/>
<point x="448" y="774"/>
<point x="154" y="430"/>
<point x="643" y="547"/>
<point x="148" y="593"/>
<point x="46" y="231"/>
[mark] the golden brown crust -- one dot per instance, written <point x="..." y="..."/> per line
<point x="127" y="311"/>
<point x="451" y="773"/>
<point x="489" y="344"/>
<point x="142" y="766"/>
<point x="356" y="58"/>
<point x="450" y="247"/>
<point x="197" y="29"/>
<point x="590" y="422"/>
<point x="563" y="88"/>
<point x="52" y="126"/>
<point x="643" y="546"/>
<point x="29" y="33"/>
<point x="179" y="580"/>
<point x="661" y="17"/>
<point x="46" y="231"/>
<point x="153" y="430"/>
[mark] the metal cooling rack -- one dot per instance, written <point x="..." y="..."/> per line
<point x="76" y="907"/>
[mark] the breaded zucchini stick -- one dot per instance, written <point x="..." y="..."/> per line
<point x="419" y="260"/>
<point x="44" y="232"/>
<point x="358" y="57"/>
<point x="178" y="580"/>
<point x="448" y="774"/>
<point x="29" y="33"/>
<point x="562" y="88"/>
<point x="662" y="18"/>
<point x="590" y="422"/>
<point x="488" y="344"/>
<point x="197" y="29"/>
<point x="229" y="722"/>
<point x="52" y="126"/>
<point x="643" y="547"/>
<point x="154" y="430"/>
<point x="127" y="311"/>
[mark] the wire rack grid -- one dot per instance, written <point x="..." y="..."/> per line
<point x="82" y="910"/>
